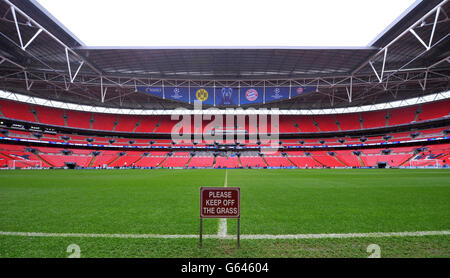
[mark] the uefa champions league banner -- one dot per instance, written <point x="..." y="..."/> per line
<point x="227" y="96"/>
<point x="177" y="93"/>
<point x="276" y="93"/>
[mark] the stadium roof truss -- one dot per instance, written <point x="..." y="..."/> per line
<point x="228" y="111"/>
<point x="42" y="59"/>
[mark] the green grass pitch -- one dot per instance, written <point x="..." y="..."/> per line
<point x="275" y="202"/>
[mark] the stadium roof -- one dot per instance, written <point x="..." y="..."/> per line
<point x="40" y="57"/>
<point x="226" y="63"/>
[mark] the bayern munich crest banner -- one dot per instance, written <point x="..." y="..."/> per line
<point x="251" y="95"/>
<point x="228" y="96"/>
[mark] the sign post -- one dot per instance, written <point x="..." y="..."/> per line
<point x="220" y="202"/>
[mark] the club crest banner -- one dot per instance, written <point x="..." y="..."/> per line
<point x="228" y="96"/>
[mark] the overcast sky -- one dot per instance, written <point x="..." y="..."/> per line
<point x="226" y="23"/>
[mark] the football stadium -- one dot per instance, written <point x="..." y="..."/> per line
<point x="312" y="152"/>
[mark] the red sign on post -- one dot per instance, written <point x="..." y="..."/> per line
<point x="220" y="202"/>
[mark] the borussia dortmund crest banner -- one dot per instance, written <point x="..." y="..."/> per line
<point x="205" y="95"/>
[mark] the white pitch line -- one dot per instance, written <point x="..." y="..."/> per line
<point x="222" y="232"/>
<point x="350" y="235"/>
<point x="292" y="236"/>
<point x="34" y="234"/>
<point x="222" y="227"/>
